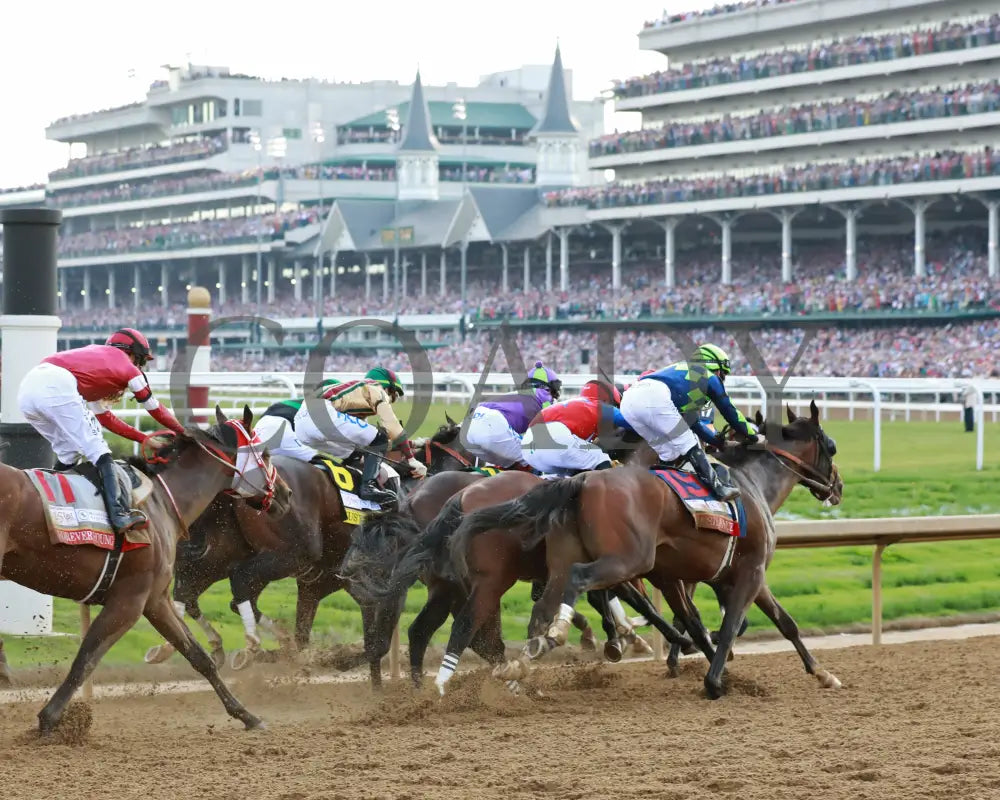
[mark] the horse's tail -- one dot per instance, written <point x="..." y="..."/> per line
<point x="552" y="503"/>
<point x="377" y="546"/>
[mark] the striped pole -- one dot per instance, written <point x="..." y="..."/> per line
<point x="199" y="315"/>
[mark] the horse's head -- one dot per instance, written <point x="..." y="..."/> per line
<point x="443" y="451"/>
<point x="807" y="451"/>
<point x="255" y="479"/>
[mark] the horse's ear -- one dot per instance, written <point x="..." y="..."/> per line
<point x="247" y="417"/>
<point x="449" y="420"/>
<point x="219" y="416"/>
<point x="813" y="412"/>
<point x="790" y="414"/>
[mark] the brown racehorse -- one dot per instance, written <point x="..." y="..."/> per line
<point x="502" y="563"/>
<point x="201" y="464"/>
<point x="309" y="544"/>
<point x="602" y="528"/>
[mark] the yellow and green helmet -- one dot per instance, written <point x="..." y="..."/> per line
<point x="387" y="378"/>
<point x="713" y="357"/>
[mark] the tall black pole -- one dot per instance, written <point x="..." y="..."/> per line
<point x="29" y="323"/>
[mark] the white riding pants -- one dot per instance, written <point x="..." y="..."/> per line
<point x="490" y="438"/>
<point x="648" y="407"/>
<point x="557" y="450"/>
<point x="338" y="434"/>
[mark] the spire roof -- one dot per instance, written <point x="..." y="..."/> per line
<point x="556" y="117"/>
<point x="417" y="134"/>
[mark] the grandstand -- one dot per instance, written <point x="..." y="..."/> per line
<point x="798" y="161"/>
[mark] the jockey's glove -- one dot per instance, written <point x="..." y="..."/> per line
<point x="156" y="442"/>
<point x="417" y="469"/>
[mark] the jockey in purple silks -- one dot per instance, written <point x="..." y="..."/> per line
<point x="496" y="426"/>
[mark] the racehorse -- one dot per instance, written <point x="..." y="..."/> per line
<point x="201" y="464"/>
<point x="475" y="604"/>
<point x="309" y="544"/>
<point x="602" y="528"/>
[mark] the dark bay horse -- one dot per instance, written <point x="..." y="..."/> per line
<point x="201" y="464"/>
<point x="602" y="528"/>
<point x="477" y="600"/>
<point x="308" y="545"/>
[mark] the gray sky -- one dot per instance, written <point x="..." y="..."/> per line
<point x="61" y="58"/>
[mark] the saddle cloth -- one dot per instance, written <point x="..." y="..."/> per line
<point x="75" y="510"/>
<point x="489" y="472"/>
<point x="347" y="479"/>
<point x="707" y="511"/>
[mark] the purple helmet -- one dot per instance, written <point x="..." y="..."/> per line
<point x="543" y="376"/>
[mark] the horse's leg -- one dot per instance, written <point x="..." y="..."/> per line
<point x="613" y="648"/>
<point x="430" y="618"/>
<point x="117" y="617"/>
<point x="587" y="639"/>
<point x="674" y="656"/>
<point x="675" y="593"/>
<point x="483" y="602"/>
<point x="488" y="642"/>
<point x="218" y="652"/>
<point x="625" y="629"/>
<point x="307" y="604"/>
<point x="641" y="603"/>
<point x="247" y="580"/>
<point x="6" y="679"/>
<point x="745" y="585"/>
<point x="783" y="621"/>
<point x="162" y="616"/>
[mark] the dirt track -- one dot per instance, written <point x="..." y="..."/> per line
<point x="912" y="721"/>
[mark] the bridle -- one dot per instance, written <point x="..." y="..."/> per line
<point x="445" y="449"/>
<point x="808" y="474"/>
<point x="248" y="457"/>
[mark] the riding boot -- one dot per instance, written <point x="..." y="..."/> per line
<point x="370" y="490"/>
<point x="60" y="467"/>
<point x="122" y="517"/>
<point x="703" y="469"/>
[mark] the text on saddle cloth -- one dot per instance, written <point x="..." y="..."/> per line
<point x="707" y="511"/>
<point x="75" y="512"/>
<point x="348" y="479"/>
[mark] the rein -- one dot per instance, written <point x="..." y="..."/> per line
<point x="813" y="478"/>
<point x="185" y="533"/>
<point x="444" y="448"/>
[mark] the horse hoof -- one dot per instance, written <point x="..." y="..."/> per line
<point x="673" y="671"/>
<point x="515" y="670"/>
<point x="714" y="691"/>
<point x="613" y="651"/>
<point x="255" y="724"/>
<point x="828" y="680"/>
<point x="536" y="647"/>
<point x="241" y="659"/>
<point x="588" y="643"/>
<point x="218" y="656"/>
<point x="159" y="654"/>
<point x="642" y="647"/>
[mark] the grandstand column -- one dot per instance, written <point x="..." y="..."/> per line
<point x="136" y="287"/>
<point x="368" y="277"/>
<point x="272" y="274"/>
<point x="333" y="273"/>
<point x="110" y="291"/>
<point x="504" y="266"/>
<point x="991" y="247"/>
<point x="786" y="244"/>
<point x="919" y="209"/>
<point x="423" y="274"/>
<point x="527" y="269"/>
<point x="62" y="290"/>
<point x="443" y="274"/>
<point x="727" y="249"/>
<point x="851" y="241"/>
<point x="164" y="296"/>
<point x="199" y="317"/>
<point x="222" y="282"/>
<point x="245" y="280"/>
<point x="616" y="255"/>
<point x="86" y="288"/>
<point x="548" y="261"/>
<point x="297" y="280"/>
<point x="564" y="259"/>
<point x="669" y="226"/>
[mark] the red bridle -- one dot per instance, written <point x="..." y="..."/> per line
<point x="444" y="448"/>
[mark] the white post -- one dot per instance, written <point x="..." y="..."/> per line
<point x="333" y="273"/>
<point x="297" y="279"/>
<point x="442" y="290"/>
<point x="504" y="268"/>
<point x="919" y="212"/>
<point x="668" y="258"/>
<point x="164" y="296"/>
<point x="86" y="290"/>
<point x="786" y="246"/>
<point x="980" y="418"/>
<point x="851" y="243"/>
<point x="727" y="250"/>
<point x="527" y="269"/>
<point x="564" y="260"/>
<point x="272" y="273"/>
<point x="110" y="292"/>
<point x="245" y="280"/>
<point x="994" y="263"/>
<point x="222" y="283"/>
<point x="616" y="257"/>
<point x="63" y="289"/>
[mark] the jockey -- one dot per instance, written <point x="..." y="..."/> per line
<point x="496" y="426"/>
<point x="69" y="393"/>
<point x="658" y="405"/>
<point x="560" y="439"/>
<point x="291" y="425"/>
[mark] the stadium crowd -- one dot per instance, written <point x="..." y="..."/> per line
<point x="943" y="165"/>
<point x="900" y="106"/>
<point x="139" y="157"/>
<point x="861" y="49"/>
<point x="714" y="11"/>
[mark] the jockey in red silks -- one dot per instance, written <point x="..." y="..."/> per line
<point x="69" y="393"/>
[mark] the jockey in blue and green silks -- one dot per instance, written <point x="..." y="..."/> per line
<point x="663" y="407"/>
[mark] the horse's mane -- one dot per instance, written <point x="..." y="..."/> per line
<point x="446" y="434"/>
<point x="182" y="442"/>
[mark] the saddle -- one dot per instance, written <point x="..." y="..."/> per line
<point x="74" y="507"/>
<point x="705" y="509"/>
<point x="347" y="480"/>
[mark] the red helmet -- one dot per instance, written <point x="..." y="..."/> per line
<point x="599" y="390"/>
<point x="132" y="342"/>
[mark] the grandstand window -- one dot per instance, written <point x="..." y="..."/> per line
<point x="236" y="107"/>
<point x="179" y="115"/>
<point x="252" y="108"/>
<point x="292" y="133"/>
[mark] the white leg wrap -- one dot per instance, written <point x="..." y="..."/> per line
<point x="179" y="608"/>
<point x="618" y="614"/>
<point x="210" y="632"/>
<point x="246" y="614"/>
<point x="448" y="665"/>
